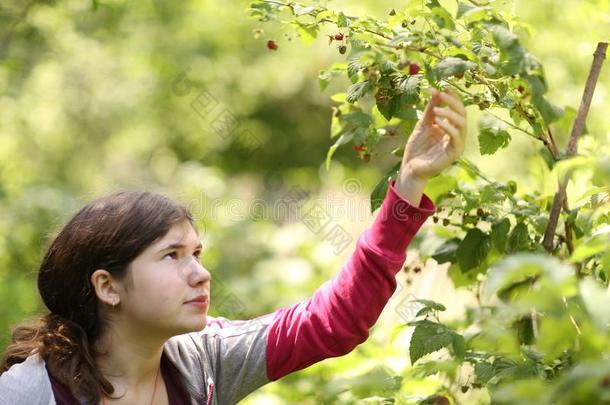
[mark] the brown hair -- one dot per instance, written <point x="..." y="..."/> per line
<point x="108" y="233"/>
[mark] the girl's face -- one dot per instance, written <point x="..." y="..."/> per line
<point x="166" y="276"/>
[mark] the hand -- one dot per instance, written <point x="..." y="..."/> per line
<point x="437" y="140"/>
<point x="439" y="137"/>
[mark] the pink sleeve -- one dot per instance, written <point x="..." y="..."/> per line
<point x="338" y="316"/>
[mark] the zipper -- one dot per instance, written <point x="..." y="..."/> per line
<point x="210" y="391"/>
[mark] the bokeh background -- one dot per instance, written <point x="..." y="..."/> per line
<point x="184" y="98"/>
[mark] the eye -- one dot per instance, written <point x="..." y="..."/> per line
<point x="173" y="255"/>
<point x="197" y="254"/>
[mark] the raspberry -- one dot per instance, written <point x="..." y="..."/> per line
<point x="414" y="68"/>
<point x="339" y="37"/>
<point x="359" y="148"/>
<point x="272" y="45"/>
<point x="366" y="157"/>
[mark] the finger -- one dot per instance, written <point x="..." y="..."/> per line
<point x="451" y="130"/>
<point x="454" y="101"/>
<point x="428" y="116"/>
<point x="453" y="117"/>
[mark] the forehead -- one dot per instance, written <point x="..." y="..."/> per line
<point x="182" y="232"/>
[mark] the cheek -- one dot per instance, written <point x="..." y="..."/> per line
<point x="161" y="294"/>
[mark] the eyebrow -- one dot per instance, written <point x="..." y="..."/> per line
<point x="179" y="246"/>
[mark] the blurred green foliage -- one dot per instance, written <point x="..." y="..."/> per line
<point x="185" y="98"/>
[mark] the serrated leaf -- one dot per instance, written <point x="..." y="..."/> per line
<point x="519" y="238"/>
<point x="429" y="337"/>
<point x="473" y="249"/>
<point x="358" y="90"/>
<point x="409" y="87"/>
<point x="493" y="134"/>
<point x="484" y="372"/>
<point x="452" y="66"/>
<point x="499" y="234"/>
<point x="353" y="68"/>
<point x="388" y="106"/>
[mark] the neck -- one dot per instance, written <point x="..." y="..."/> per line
<point x="130" y="361"/>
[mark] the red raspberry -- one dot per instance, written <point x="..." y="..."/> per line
<point x="339" y="36"/>
<point x="359" y="148"/>
<point x="414" y="68"/>
<point x="272" y="45"/>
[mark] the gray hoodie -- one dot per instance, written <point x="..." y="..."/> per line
<point x="220" y="365"/>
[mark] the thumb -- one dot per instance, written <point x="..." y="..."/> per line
<point x="435" y="100"/>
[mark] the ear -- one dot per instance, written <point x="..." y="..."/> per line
<point x="105" y="287"/>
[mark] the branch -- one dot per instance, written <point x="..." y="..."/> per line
<point x="579" y="124"/>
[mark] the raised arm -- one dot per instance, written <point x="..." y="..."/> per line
<point x="339" y="315"/>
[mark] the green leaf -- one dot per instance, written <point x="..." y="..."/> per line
<point x="504" y="39"/>
<point x="442" y="18"/>
<point x="513" y="56"/>
<point x="492" y="134"/>
<point x="358" y="118"/>
<point x="452" y="66"/>
<point x="484" y="372"/>
<point x="597" y="302"/>
<point x="343" y="139"/>
<point x="342" y="20"/>
<point x="473" y="249"/>
<point x="549" y="111"/>
<point x="381" y="189"/>
<point x="437" y="306"/>
<point x="429" y="337"/>
<point x="519" y="238"/>
<point x="438" y="186"/>
<point x="300" y="10"/>
<point x="358" y="90"/>
<point x="499" y="234"/>
<point x="463" y="8"/>
<point x="409" y="87"/>
<point x="523" y="266"/>
<point x="447" y="251"/>
<point x="388" y="106"/>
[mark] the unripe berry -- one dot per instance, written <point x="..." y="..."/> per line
<point x="342" y="49"/>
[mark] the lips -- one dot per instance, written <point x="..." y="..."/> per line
<point x="200" y="298"/>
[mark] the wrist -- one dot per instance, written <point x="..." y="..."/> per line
<point x="410" y="186"/>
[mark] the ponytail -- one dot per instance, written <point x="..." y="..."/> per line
<point x="64" y="347"/>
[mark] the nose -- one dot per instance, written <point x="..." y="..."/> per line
<point x="196" y="273"/>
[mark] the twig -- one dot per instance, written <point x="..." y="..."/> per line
<point x="579" y="124"/>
